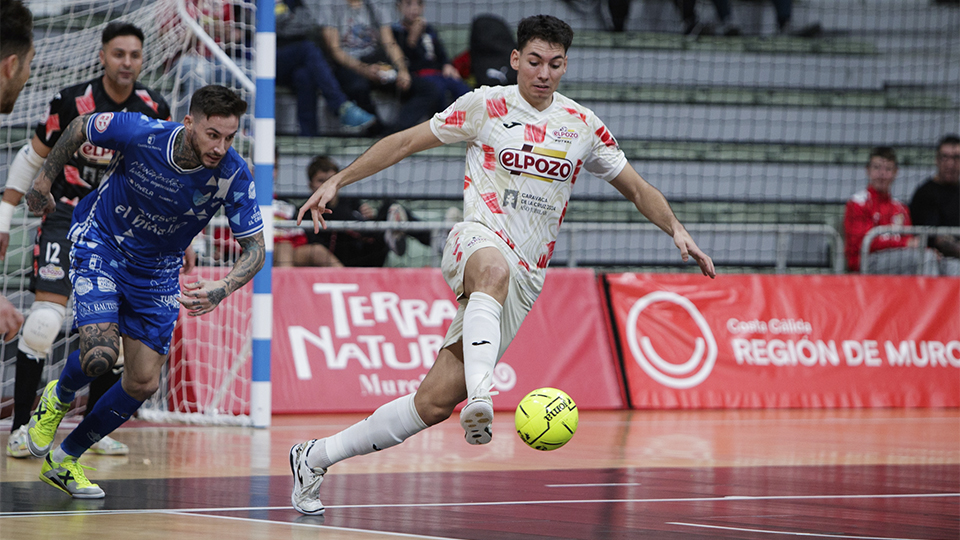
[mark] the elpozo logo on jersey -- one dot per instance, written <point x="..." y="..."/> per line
<point x="680" y="376"/>
<point x="96" y="154"/>
<point x="539" y="164"/>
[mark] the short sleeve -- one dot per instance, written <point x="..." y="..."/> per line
<point x="606" y="159"/>
<point x="460" y="121"/>
<point x="384" y="16"/>
<point x="59" y="114"/>
<point x="241" y="206"/>
<point x="114" y="130"/>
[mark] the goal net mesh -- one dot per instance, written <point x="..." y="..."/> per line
<point x="207" y="376"/>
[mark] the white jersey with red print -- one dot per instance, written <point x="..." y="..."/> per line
<point x="522" y="163"/>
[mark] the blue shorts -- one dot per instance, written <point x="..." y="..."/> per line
<point x="108" y="288"/>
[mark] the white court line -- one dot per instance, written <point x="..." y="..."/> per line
<point x="315" y="526"/>
<point x="594" y="485"/>
<point x="495" y="503"/>
<point x="788" y="533"/>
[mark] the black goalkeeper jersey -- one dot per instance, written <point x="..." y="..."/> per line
<point x="83" y="172"/>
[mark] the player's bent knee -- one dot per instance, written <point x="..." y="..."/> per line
<point x="141" y="391"/>
<point x="41" y="328"/>
<point x="98" y="361"/>
<point x="433" y="414"/>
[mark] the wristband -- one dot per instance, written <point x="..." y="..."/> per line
<point x="6" y="216"/>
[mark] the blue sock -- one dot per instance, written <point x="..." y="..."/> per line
<point x="72" y="378"/>
<point x="111" y="411"/>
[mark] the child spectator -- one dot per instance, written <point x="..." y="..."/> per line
<point x="427" y="60"/>
<point x="873" y="207"/>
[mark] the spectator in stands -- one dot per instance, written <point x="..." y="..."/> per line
<point x="693" y="27"/>
<point x="936" y="203"/>
<point x="358" y="37"/>
<point x="427" y="60"/>
<point x="302" y="66"/>
<point x="783" y="8"/>
<point x="890" y="253"/>
<point x="345" y="248"/>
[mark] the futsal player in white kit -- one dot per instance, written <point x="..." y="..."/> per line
<point x="526" y="147"/>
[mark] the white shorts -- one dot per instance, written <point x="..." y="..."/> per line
<point x="525" y="286"/>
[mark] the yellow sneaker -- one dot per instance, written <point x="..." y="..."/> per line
<point x="45" y="421"/>
<point x="68" y="477"/>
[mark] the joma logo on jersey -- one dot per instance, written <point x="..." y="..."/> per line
<point x="537" y="165"/>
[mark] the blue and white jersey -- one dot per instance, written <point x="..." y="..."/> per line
<point x="147" y="207"/>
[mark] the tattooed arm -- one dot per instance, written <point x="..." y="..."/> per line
<point x="39" y="199"/>
<point x="204" y="296"/>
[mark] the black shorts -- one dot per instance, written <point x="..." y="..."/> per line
<point x="51" y="253"/>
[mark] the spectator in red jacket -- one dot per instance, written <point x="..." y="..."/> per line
<point x="890" y="253"/>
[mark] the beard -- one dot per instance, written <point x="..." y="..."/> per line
<point x="192" y="145"/>
<point x="7" y="100"/>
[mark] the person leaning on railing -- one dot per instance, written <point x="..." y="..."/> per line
<point x="875" y="206"/>
<point x="936" y="203"/>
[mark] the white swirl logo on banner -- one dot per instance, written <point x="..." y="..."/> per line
<point x="681" y="376"/>
<point x="504" y="376"/>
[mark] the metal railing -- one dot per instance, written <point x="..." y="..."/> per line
<point x="922" y="233"/>
<point x="573" y="232"/>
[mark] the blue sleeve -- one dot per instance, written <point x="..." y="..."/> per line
<point x="241" y="206"/>
<point x="115" y="130"/>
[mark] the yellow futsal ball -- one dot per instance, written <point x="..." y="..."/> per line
<point x="546" y="419"/>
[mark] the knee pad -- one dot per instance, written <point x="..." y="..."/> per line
<point x="41" y="328"/>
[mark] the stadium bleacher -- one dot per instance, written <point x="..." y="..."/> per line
<point x="752" y="129"/>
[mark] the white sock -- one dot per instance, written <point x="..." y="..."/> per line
<point x="481" y="340"/>
<point x="390" y="425"/>
<point x="58" y="455"/>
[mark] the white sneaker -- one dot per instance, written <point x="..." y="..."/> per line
<point x="476" y="417"/>
<point x="306" y="480"/>
<point x="17" y="444"/>
<point x="110" y="447"/>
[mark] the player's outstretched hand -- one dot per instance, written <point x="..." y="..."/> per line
<point x="317" y="204"/>
<point x="688" y="248"/>
<point x="10" y="320"/>
<point x="201" y="296"/>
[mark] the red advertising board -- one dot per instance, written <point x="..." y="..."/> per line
<point x="743" y="341"/>
<point x="350" y="340"/>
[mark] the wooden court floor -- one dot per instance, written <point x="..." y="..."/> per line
<point x="767" y="474"/>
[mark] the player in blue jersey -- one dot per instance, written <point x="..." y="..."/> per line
<point x="165" y="183"/>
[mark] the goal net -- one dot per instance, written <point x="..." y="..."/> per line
<point x="188" y="44"/>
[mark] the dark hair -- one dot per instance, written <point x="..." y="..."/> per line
<point x="545" y="27"/>
<point x="321" y="163"/>
<point x="950" y="138"/>
<point x="120" y="28"/>
<point x="216" y="100"/>
<point x="16" y="28"/>
<point x="884" y="152"/>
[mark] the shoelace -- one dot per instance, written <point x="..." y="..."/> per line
<point x="45" y="424"/>
<point x="76" y="469"/>
<point x="485" y="389"/>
